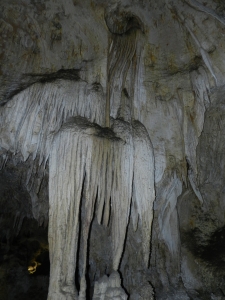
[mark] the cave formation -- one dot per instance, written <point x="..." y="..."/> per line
<point x="111" y="149"/>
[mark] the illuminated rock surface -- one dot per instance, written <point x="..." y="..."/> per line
<point x="112" y="138"/>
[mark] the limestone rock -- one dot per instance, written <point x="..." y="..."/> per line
<point x="108" y="288"/>
<point x="112" y="135"/>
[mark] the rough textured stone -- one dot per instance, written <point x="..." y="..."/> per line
<point x="152" y="71"/>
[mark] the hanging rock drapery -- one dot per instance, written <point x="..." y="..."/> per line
<point x="80" y="171"/>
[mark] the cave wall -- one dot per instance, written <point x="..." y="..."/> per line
<point x="154" y="73"/>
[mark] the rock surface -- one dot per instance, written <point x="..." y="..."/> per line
<point x="147" y="80"/>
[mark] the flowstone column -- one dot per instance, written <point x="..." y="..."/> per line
<point x="78" y="168"/>
<point x="106" y="168"/>
<point x="99" y="166"/>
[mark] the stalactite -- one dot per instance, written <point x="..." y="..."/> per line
<point x="18" y="221"/>
<point x="66" y="175"/>
<point x="121" y="188"/>
<point x="143" y="184"/>
<point x="172" y="189"/>
<point x="197" y="5"/>
<point x="205" y="56"/>
<point x="121" y="54"/>
<point x="74" y="171"/>
<point x="193" y="126"/>
<point x="200" y="85"/>
<point x="28" y="121"/>
<point x="92" y="169"/>
<point x="42" y="109"/>
<point x="3" y="161"/>
<point x="79" y="158"/>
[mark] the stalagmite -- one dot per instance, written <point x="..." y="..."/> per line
<point x="108" y="288"/>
